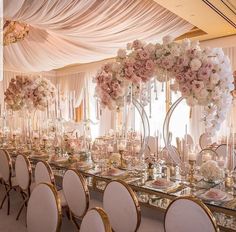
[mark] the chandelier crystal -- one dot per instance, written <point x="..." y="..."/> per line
<point x="14" y="31"/>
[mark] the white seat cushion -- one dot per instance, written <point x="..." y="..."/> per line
<point x="62" y="198"/>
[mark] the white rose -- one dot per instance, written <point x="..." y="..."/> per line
<point x="174" y="87"/>
<point x="195" y="64"/>
<point x="191" y="101"/>
<point x="167" y="39"/>
<point x="121" y="53"/>
<point x="115" y="67"/>
<point x="186" y="43"/>
<point x="203" y="93"/>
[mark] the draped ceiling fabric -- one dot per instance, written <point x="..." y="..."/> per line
<point x="64" y="32"/>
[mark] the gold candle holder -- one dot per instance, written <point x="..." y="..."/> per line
<point x="122" y="164"/>
<point x="14" y="141"/>
<point x="191" y="178"/>
<point x="44" y="144"/>
<point x="229" y="181"/>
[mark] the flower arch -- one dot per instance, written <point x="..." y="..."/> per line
<point x="203" y="76"/>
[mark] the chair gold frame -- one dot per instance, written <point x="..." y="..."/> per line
<point x="8" y="185"/>
<point x="200" y="204"/>
<point x="25" y="193"/>
<point x="104" y="217"/>
<point x="49" y="169"/>
<point x="209" y="150"/>
<point x="199" y="141"/>
<point x="58" y="203"/>
<point x="86" y="191"/>
<point x="223" y="144"/>
<point x="135" y="200"/>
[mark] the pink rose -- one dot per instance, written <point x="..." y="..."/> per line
<point x="137" y="65"/>
<point x="108" y="78"/>
<point x="129" y="63"/>
<point x="137" y="44"/>
<point x="204" y="73"/>
<point x="114" y="94"/>
<point x="135" y="79"/>
<point x="149" y="65"/>
<point x="129" y="71"/>
<point x="107" y="67"/>
<point x="167" y="62"/>
<point x="180" y="78"/>
<point x="184" y="90"/>
<point x="115" y="85"/>
<point x="198" y="86"/>
<point x="144" y="55"/>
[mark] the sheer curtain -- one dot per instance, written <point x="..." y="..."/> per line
<point x="73" y="31"/>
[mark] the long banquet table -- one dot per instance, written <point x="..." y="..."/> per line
<point x="150" y="197"/>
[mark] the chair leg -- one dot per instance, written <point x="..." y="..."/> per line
<point x="8" y="202"/>
<point x="3" y="201"/>
<point x="75" y="222"/>
<point x="21" y="208"/>
<point x="6" y="196"/>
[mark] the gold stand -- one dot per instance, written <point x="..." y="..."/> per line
<point x="191" y="178"/>
<point x="44" y="144"/>
<point x="229" y="181"/>
<point x="122" y="164"/>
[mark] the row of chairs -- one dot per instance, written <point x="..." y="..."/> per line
<point x="121" y="210"/>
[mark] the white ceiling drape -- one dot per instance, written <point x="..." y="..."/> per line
<point x="82" y="31"/>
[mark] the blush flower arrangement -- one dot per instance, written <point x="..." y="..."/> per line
<point x="202" y="76"/>
<point x="24" y="92"/>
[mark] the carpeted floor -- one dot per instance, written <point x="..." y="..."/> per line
<point x="151" y="220"/>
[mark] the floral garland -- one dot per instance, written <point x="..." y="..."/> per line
<point x="203" y="76"/>
<point x="24" y="92"/>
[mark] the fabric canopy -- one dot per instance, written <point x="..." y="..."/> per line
<point x="78" y="31"/>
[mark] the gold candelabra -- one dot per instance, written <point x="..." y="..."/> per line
<point x="191" y="178"/>
<point x="122" y="164"/>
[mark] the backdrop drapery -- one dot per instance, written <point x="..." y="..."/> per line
<point x="73" y="31"/>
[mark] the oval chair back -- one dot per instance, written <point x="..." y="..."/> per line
<point x="95" y="220"/>
<point x="44" y="209"/>
<point x="43" y="173"/>
<point x="187" y="214"/>
<point x="23" y="172"/>
<point x="5" y="166"/>
<point x="122" y="207"/>
<point x="76" y="193"/>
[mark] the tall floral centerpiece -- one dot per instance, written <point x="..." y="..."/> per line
<point x="202" y="76"/>
<point x="29" y="95"/>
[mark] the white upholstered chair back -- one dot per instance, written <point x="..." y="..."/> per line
<point x="208" y="151"/>
<point x="204" y="140"/>
<point x="43" y="173"/>
<point x="44" y="209"/>
<point x="221" y="150"/>
<point x="152" y="144"/>
<point x="190" y="141"/>
<point x="188" y="214"/>
<point x="76" y="192"/>
<point x="95" y="220"/>
<point x="5" y="166"/>
<point x="122" y="207"/>
<point x="23" y="172"/>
